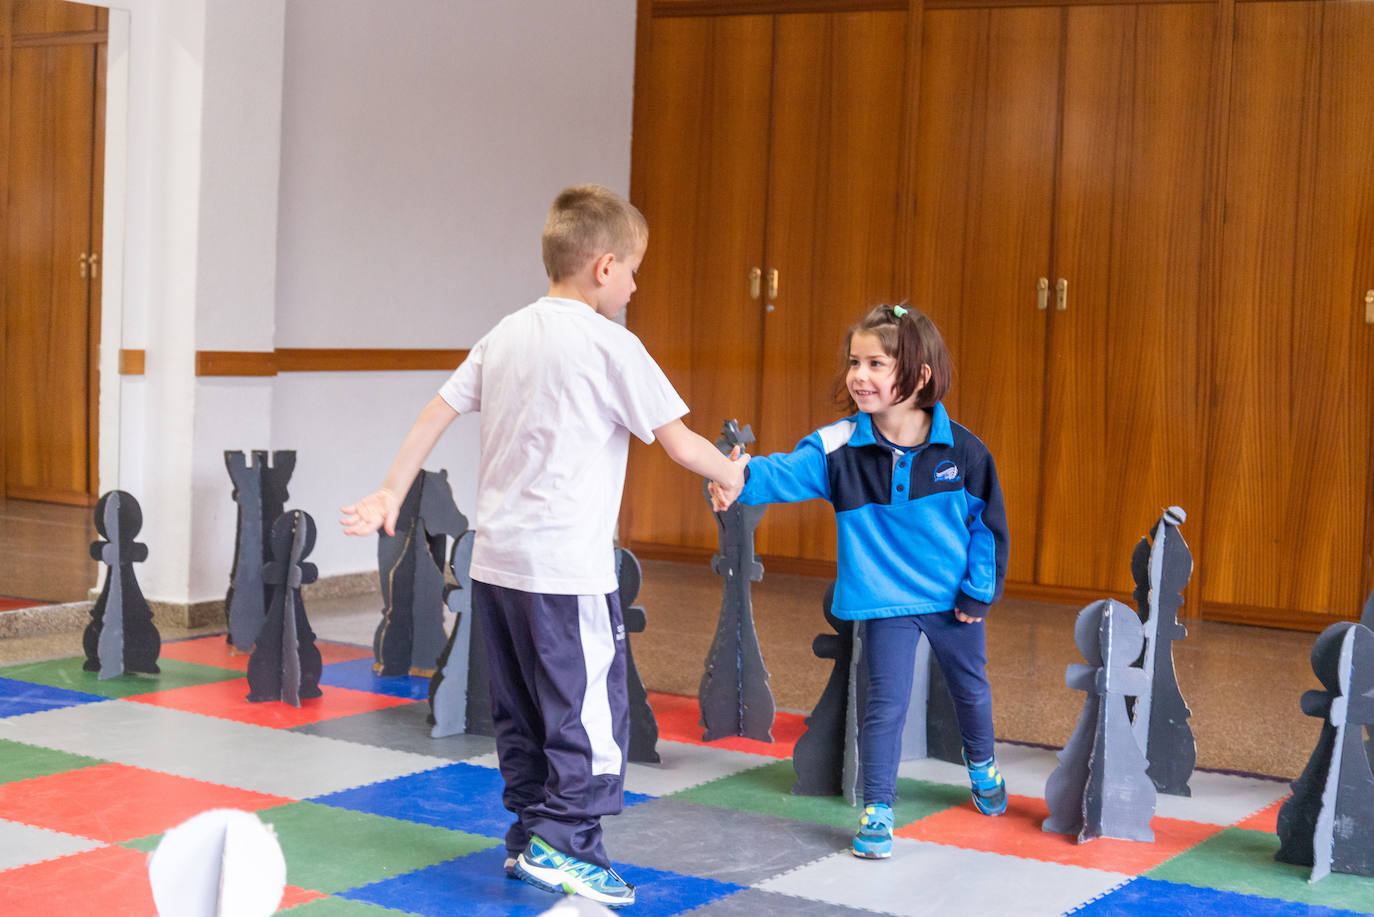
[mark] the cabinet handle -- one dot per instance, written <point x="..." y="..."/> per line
<point x="1061" y="295"/>
<point x="755" y="282"/>
<point x="1042" y="293"/>
<point x="81" y="264"/>
<point x="773" y="283"/>
<point x="95" y="265"/>
<point x="1369" y="307"/>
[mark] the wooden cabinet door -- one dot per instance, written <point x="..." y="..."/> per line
<point x="1289" y="451"/>
<point x="1123" y="433"/>
<point x="831" y="223"/>
<point x="700" y="173"/>
<point x="984" y="194"/>
<point x="46" y="303"/>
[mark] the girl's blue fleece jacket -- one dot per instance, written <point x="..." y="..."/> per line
<point x="918" y="531"/>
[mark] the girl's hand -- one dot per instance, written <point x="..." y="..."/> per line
<point x="965" y="618"/>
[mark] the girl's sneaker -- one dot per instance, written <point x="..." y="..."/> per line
<point x="554" y="871"/>
<point x="989" y="789"/>
<point x="874" y="840"/>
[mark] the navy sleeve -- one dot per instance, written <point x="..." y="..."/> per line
<point x="988" y="541"/>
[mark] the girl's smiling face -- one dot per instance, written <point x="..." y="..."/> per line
<point x="872" y="373"/>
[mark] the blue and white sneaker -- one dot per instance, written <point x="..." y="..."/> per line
<point x="510" y="867"/>
<point x="554" y="871"/>
<point x="874" y="840"/>
<point x="989" y="789"/>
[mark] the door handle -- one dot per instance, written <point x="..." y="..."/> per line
<point x="1369" y="307"/>
<point x="773" y="283"/>
<point x="755" y="282"/>
<point x="1061" y="295"/>
<point x="81" y="265"/>
<point x="1042" y="293"/>
<point x="95" y="265"/>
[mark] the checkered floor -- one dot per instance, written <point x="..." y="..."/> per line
<point x="375" y="817"/>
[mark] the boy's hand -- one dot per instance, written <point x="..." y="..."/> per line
<point x="724" y="493"/>
<point x="378" y="510"/>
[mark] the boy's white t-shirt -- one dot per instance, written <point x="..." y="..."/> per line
<point x="560" y="389"/>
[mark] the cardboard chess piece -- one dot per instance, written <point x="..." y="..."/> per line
<point x="220" y="863"/>
<point x="819" y="755"/>
<point x="1162" y="567"/>
<point x="643" y="724"/>
<point x="1100" y="788"/>
<point x="411" y="634"/>
<point x="933" y="718"/>
<point x="1328" y="822"/>
<point x="121" y="636"/>
<point x="459" y="694"/>
<point x="286" y="664"/>
<point x="260" y="492"/>
<point x="734" y="695"/>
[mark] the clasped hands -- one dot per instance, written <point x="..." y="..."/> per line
<point x="723" y="494"/>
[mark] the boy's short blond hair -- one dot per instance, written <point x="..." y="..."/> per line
<point x="586" y="222"/>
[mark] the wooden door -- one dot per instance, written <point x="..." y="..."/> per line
<point x="1123" y="433"/>
<point x="1288" y="499"/>
<point x="700" y="173"/>
<point x="984" y="192"/>
<point x="831" y="224"/>
<point x="52" y="174"/>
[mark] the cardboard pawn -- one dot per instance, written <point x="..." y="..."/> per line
<point x="1100" y="788"/>
<point x="260" y="493"/>
<point x="1328" y="822"/>
<point x="1367" y="619"/>
<point x="1161" y="567"/>
<point x="286" y="664"/>
<point x="643" y="724"/>
<point x="932" y="725"/>
<point x="121" y="636"/>
<point x="734" y="696"/>
<point x="459" y="693"/>
<point x="411" y="634"/>
<point x="818" y="758"/>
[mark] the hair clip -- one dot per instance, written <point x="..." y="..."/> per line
<point x="899" y="311"/>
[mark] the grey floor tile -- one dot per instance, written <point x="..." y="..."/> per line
<point x="714" y="843"/>
<point x="400" y="729"/>
<point x="753" y="902"/>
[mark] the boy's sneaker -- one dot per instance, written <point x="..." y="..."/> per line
<point x="989" y="789"/>
<point x="554" y="871"/>
<point x="874" y="840"/>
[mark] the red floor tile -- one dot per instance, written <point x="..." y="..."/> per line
<point x="679" y="720"/>
<point x="1266" y="819"/>
<point x="229" y="700"/>
<point x="115" y="802"/>
<point x="1018" y="833"/>
<point x="215" y="651"/>
<point x="108" y="881"/>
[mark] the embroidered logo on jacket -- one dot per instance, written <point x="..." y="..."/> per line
<point x="946" y="473"/>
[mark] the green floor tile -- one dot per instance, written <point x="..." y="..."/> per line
<point x="340" y="907"/>
<point x="768" y="790"/>
<point x="329" y="849"/>
<point x="20" y="762"/>
<point x="67" y="673"/>
<point x="1239" y="860"/>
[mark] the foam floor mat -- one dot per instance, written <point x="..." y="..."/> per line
<point x="375" y="817"/>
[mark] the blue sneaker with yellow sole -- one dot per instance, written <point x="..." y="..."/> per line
<point x="989" y="789"/>
<point x="554" y="871"/>
<point x="874" y="840"/>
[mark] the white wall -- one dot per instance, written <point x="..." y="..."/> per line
<point x="420" y="152"/>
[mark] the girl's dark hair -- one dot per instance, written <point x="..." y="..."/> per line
<point x="911" y="338"/>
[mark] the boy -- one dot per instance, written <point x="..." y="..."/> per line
<point x="560" y="388"/>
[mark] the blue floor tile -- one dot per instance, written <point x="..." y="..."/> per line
<point x="1149" y="897"/>
<point x="358" y="675"/>
<point x="477" y="886"/>
<point x="460" y="797"/>
<point x="20" y="697"/>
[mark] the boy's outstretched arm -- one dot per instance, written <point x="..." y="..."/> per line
<point x="696" y="453"/>
<point x="379" y="509"/>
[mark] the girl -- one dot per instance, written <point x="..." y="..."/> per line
<point x="922" y="538"/>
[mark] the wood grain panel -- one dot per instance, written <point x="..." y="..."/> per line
<point x="1288" y="498"/>
<point x="838" y="100"/>
<point x="6" y="17"/>
<point x="132" y="362"/>
<point x="37" y="17"/>
<point x="699" y="174"/>
<point x="317" y="360"/>
<point x="984" y="190"/>
<point x="1122" y="430"/>
<point x="47" y="363"/>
